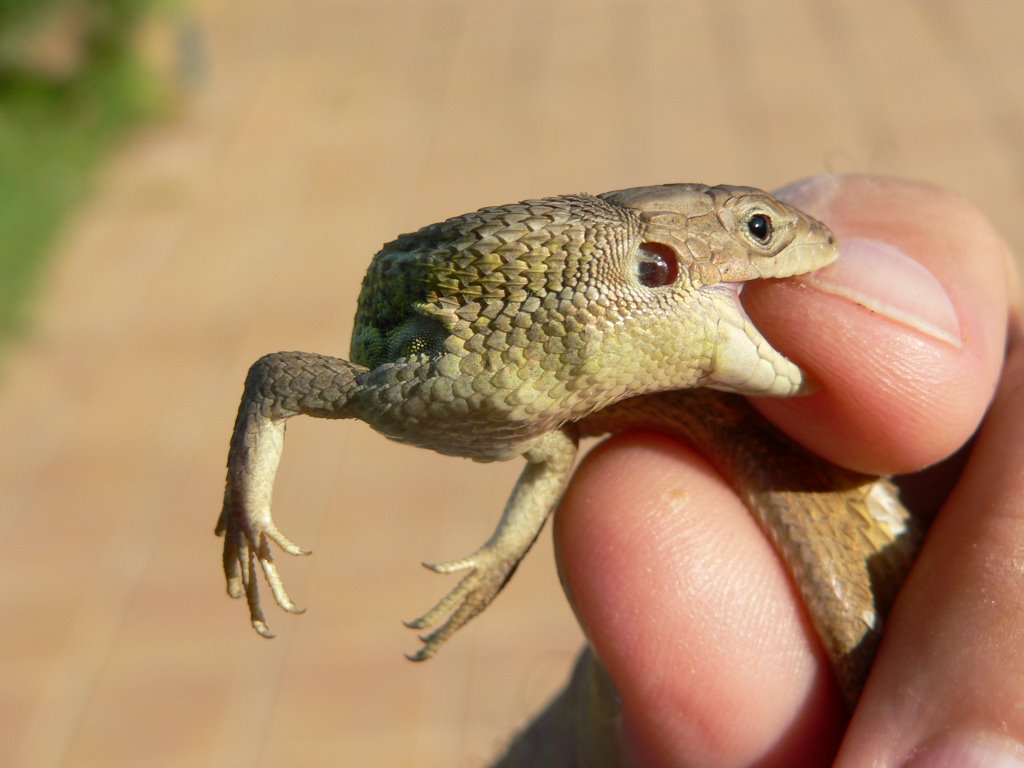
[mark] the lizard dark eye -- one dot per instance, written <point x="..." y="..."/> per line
<point x="760" y="227"/>
<point x="657" y="265"/>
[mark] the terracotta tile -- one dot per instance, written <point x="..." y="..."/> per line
<point x="243" y="223"/>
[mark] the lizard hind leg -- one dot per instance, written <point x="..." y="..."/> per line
<point x="549" y="464"/>
<point x="277" y="387"/>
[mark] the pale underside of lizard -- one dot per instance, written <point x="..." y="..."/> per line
<point x="519" y="329"/>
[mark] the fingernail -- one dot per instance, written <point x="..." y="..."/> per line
<point x="814" y="192"/>
<point x="969" y="750"/>
<point x="882" y="278"/>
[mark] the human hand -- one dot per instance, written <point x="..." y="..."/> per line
<point x="689" y="607"/>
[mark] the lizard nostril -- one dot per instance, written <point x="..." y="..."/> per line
<point x="657" y="265"/>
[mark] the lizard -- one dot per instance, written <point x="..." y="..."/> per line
<point x="519" y="329"/>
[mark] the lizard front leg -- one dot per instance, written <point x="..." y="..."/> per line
<point x="277" y="387"/>
<point x="548" y="465"/>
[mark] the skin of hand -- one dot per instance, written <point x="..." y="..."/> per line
<point x="689" y="607"/>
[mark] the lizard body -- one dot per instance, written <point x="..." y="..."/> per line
<point x="518" y="329"/>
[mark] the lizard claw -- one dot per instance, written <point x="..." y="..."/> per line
<point x="488" y="570"/>
<point x="247" y="537"/>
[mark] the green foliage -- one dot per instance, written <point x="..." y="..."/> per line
<point x="54" y="133"/>
<point x="112" y="14"/>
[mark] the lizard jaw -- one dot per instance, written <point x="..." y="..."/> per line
<point x="744" y="361"/>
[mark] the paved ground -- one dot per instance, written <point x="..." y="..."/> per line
<point x="242" y="226"/>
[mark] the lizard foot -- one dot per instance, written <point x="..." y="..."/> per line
<point x="488" y="569"/>
<point x="247" y="537"/>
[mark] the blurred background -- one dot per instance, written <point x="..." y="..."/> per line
<point x="186" y="186"/>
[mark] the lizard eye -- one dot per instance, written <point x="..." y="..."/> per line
<point x="760" y="227"/>
<point x="657" y="265"/>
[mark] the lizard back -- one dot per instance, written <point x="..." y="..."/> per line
<point x="475" y="274"/>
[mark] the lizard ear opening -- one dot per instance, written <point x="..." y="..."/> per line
<point x="657" y="265"/>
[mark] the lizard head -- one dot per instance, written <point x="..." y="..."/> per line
<point x="728" y="234"/>
<point x="698" y="246"/>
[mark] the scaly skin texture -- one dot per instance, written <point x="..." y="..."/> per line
<point x="516" y="330"/>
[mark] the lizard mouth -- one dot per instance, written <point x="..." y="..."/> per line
<point x="805" y="257"/>
<point x="743" y="360"/>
